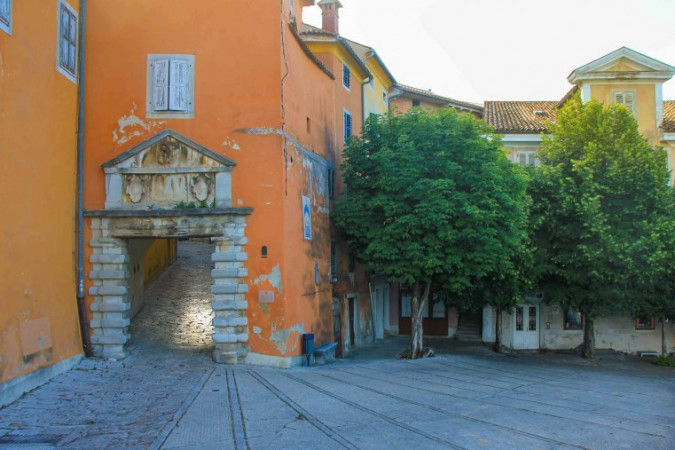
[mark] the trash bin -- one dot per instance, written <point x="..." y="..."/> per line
<point x="308" y="344"/>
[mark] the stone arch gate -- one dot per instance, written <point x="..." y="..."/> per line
<point x="168" y="187"/>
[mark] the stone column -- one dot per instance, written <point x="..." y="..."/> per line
<point x="229" y="289"/>
<point x="110" y="321"/>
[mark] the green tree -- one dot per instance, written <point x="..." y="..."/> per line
<point x="432" y="198"/>
<point x="600" y="200"/>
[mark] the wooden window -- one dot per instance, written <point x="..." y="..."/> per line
<point x="644" y="323"/>
<point x="347" y="125"/>
<point x="170" y="86"/>
<point x="626" y="98"/>
<point x="67" y="41"/>
<point x="526" y="158"/>
<point x="573" y="320"/>
<point x="346" y="76"/>
<point x="6" y="16"/>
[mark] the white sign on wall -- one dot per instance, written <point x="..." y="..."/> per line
<point x="306" y="219"/>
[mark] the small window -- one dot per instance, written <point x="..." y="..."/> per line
<point x="6" y="16"/>
<point x="573" y="320"/>
<point x="170" y="90"/>
<point x="405" y="305"/>
<point x="346" y="76"/>
<point x="384" y="97"/>
<point x="415" y="103"/>
<point x="526" y="158"/>
<point x="67" y="42"/>
<point x="347" y="125"/>
<point x="644" y="323"/>
<point x="626" y="98"/>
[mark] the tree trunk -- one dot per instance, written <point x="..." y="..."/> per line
<point x="664" y="344"/>
<point x="418" y="303"/>
<point x="588" y="351"/>
<point x="498" y="331"/>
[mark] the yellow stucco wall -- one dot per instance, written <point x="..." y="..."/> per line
<point x="645" y="104"/>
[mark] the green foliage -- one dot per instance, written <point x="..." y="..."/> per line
<point x="665" y="361"/>
<point x="193" y="205"/>
<point x="601" y="211"/>
<point x="431" y="195"/>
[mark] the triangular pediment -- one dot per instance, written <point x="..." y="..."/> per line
<point x="623" y="63"/>
<point x="167" y="150"/>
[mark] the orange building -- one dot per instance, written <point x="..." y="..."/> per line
<point x="39" y="331"/>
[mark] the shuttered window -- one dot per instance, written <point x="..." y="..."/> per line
<point x="347" y="125"/>
<point x="170" y="86"/>
<point x="526" y="158"/>
<point x="346" y="76"/>
<point x="6" y="16"/>
<point x="67" y="41"/>
<point x="626" y="98"/>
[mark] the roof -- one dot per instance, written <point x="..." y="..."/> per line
<point x="520" y="117"/>
<point x="439" y="99"/>
<point x="310" y="33"/>
<point x="365" y="53"/>
<point x="642" y="66"/>
<point x="669" y="116"/>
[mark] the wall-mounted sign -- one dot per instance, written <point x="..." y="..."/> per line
<point x="266" y="296"/>
<point x="306" y="219"/>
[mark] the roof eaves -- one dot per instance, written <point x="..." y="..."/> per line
<point x="309" y="53"/>
<point x="353" y="54"/>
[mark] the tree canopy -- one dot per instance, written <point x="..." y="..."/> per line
<point x="431" y="197"/>
<point x="601" y="205"/>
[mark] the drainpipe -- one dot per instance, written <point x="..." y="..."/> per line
<point x="81" y="308"/>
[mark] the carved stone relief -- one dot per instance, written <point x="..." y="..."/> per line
<point x="136" y="187"/>
<point x="202" y="186"/>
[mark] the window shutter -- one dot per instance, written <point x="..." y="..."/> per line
<point x="5" y="12"/>
<point x="346" y="75"/>
<point x="178" y="85"/>
<point x="628" y="100"/>
<point x="160" y="85"/>
<point x="347" y="125"/>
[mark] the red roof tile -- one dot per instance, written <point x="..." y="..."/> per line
<point x="520" y="117"/>
<point x="669" y="116"/>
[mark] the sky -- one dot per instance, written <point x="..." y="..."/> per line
<point x="477" y="50"/>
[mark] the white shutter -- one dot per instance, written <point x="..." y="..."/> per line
<point x="160" y="85"/>
<point x="628" y="100"/>
<point x="178" y="85"/>
<point x="625" y="98"/>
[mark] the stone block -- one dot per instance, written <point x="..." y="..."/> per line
<point x="110" y="323"/>
<point x="106" y="258"/>
<point x="229" y="273"/>
<point x="242" y="337"/>
<point x="110" y="304"/>
<point x="229" y="256"/>
<point x="225" y="357"/>
<point x="230" y="321"/>
<point x="217" y="289"/>
<point x="107" y="290"/>
<point x="110" y="339"/>
<point x="109" y="274"/>
<point x="224" y="338"/>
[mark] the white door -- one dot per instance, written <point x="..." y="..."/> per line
<point x="526" y="327"/>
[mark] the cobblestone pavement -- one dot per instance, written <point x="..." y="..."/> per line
<point x="168" y="394"/>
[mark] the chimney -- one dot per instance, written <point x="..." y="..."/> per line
<point x="330" y="18"/>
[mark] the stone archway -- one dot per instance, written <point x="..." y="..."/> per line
<point x="168" y="187"/>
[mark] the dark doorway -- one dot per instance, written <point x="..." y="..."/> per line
<point x="352" y="321"/>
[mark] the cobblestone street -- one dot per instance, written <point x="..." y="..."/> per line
<point x="169" y="394"/>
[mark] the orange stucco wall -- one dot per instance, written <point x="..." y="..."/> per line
<point x="246" y="61"/>
<point x="38" y="112"/>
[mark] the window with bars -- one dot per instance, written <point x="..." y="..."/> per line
<point x="626" y="98"/>
<point x="67" y="41"/>
<point x="645" y="323"/>
<point x="346" y="76"/>
<point x="170" y="90"/>
<point x="347" y="123"/>
<point x="6" y="16"/>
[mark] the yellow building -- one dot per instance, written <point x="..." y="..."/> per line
<point x="626" y="77"/>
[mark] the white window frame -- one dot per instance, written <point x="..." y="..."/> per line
<point x="6" y="18"/>
<point x="62" y="6"/>
<point x="346" y="114"/>
<point x="530" y="157"/>
<point x="624" y="92"/>
<point x="170" y="113"/>
<point x="346" y="75"/>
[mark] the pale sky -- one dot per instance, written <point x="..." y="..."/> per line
<point x="478" y="50"/>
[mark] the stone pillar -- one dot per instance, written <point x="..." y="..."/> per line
<point x="229" y="289"/>
<point x="110" y="275"/>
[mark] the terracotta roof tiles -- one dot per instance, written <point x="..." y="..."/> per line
<point x="520" y="117"/>
<point x="669" y="116"/>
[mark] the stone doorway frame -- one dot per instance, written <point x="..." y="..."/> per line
<point x="110" y="276"/>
